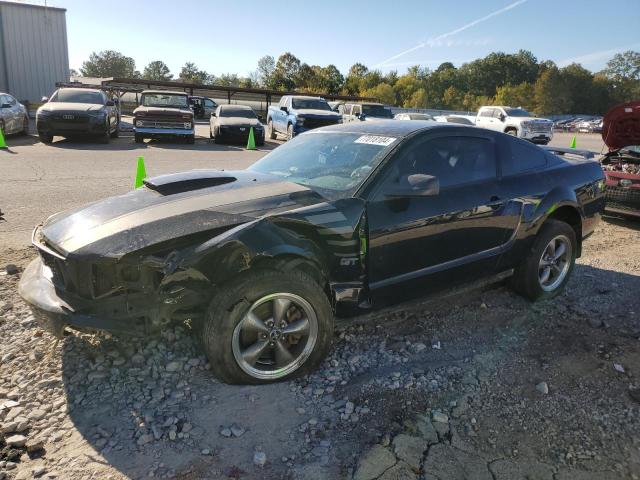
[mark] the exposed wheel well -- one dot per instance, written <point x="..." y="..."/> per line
<point x="509" y="129"/>
<point x="571" y="216"/>
<point x="286" y="263"/>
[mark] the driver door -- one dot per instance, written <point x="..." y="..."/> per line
<point x="456" y="232"/>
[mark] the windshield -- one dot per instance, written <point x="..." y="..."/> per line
<point x="376" y="111"/>
<point x="164" y="100"/>
<point x="517" y="112"/>
<point x="331" y="161"/>
<point x="237" y="112"/>
<point x="310" y="103"/>
<point x="78" y="96"/>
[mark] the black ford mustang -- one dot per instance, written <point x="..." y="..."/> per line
<point x="342" y="218"/>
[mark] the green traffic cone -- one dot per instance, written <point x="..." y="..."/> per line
<point x="573" y="142"/>
<point x="251" y="144"/>
<point x="3" y="144"/>
<point x="141" y="173"/>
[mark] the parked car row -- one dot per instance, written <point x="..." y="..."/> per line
<point x="579" y="124"/>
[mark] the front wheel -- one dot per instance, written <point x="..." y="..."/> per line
<point x="546" y="269"/>
<point x="25" y="126"/>
<point x="267" y="326"/>
<point x="289" y="132"/>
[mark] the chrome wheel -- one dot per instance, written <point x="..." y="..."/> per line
<point x="555" y="263"/>
<point x="276" y="336"/>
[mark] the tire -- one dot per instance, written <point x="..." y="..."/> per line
<point x="116" y="131"/>
<point x="45" y="138"/>
<point x="511" y="131"/>
<point x="226" y="336"/>
<point x="272" y="132"/>
<point x="105" y="138"/>
<point x="139" y="138"/>
<point x="289" y="132"/>
<point x="528" y="276"/>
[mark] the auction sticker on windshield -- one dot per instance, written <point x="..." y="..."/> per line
<point x="375" y="140"/>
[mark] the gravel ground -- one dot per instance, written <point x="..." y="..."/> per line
<point x="479" y="385"/>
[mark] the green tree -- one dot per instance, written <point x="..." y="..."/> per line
<point x="453" y="99"/>
<point x="383" y="92"/>
<point x="266" y="66"/>
<point x="353" y="81"/>
<point x="157" y="70"/>
<point x="190" y="73"/>
<point x="522" y="95"/>
<point x="109" y="63"/>
<point x="551" y="95"/>
<point x="286" y="71"/>
<point x="418" y="99"/>
<point x="624" y="72"/>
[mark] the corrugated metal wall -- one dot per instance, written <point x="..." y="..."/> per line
<point x="33" y="50"/>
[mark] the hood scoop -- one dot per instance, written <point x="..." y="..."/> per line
<point x="187" y="181"/>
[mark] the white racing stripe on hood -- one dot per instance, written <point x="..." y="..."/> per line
<point x="81" y="238"/>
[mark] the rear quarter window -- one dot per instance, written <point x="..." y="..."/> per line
<point x="518" y="156"/>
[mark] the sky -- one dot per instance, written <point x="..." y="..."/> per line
<point x="229" y="37"/>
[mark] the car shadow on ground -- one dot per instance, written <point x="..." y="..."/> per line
<point x="127" y="143"/>
<point x="146" y="401"/>
<point x="21" y="140"/>
<point x="622" y="221"/>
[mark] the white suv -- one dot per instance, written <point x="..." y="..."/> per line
<point x="517" y="122"/>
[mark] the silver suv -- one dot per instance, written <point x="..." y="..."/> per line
<point x="13" y="115"/>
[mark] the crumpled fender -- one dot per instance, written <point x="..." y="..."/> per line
<point x="240" y="248"/>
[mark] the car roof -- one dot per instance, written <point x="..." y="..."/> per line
<point x="165" y="92"/>
<point x="95" y="90"/>
<point x="235" y="107"/>
<point x="306" y="97"/>
<point x="401" y="128"/>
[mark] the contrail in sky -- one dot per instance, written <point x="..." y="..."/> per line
<point x="454" y="32"/>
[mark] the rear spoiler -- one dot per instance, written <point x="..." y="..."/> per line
<point x="586" y="154"/>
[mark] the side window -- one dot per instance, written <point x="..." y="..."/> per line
<point x="497" y="112"/>
<point x="11" y="101"/>
<point x="520" y="156"/>
<point x="208" y="103"/>
<point x="487" y="112"/>
<point x="453" y="160"/>
<point x="3" y="99"/>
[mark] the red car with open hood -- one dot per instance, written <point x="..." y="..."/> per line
<point x="621" y="133"/>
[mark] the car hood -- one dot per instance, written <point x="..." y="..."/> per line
<point x="621" y="126"/>
<point x="311" y="112"/>
<point x="238" y="122"/>
<point x="160" y="111"/>
<point x="196" y="203"/>
<point x="66" y="106"/>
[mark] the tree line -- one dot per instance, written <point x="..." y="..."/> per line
<point x="516" y="79"/>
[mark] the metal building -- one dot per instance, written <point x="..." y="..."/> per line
<point x="33" y="50"/>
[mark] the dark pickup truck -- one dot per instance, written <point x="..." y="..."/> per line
<point x="164" y="114"/>
<point x="349" y="218"/>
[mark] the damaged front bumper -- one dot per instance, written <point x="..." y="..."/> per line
<point x="51" y="311"/>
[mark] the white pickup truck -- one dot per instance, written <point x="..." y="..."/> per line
<point x="517" y="122"/>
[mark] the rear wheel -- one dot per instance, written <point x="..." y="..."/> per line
<point x="267" y="326"/>
<point x="45" y="138"/>
<point x="547" y="268"/>
<point x="272" y="132"/>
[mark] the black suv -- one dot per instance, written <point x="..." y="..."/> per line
<point x="75" y="112"/>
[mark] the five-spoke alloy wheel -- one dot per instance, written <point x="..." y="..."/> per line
<point x="267" y="326"/>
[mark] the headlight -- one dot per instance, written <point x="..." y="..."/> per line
<point x="187" y="124"/>
<point x="43" y="113"/>
<point x="98" y="114"/>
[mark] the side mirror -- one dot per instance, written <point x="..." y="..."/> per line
<point x="284" y="109"/>
<point x="502" y="117"/>
<point x="110" y="103"/>
<point x="417" y="185"/>
<point x="213" y="114"/>
<point x="362" y="116"/>
<point x="5" y="105"/>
